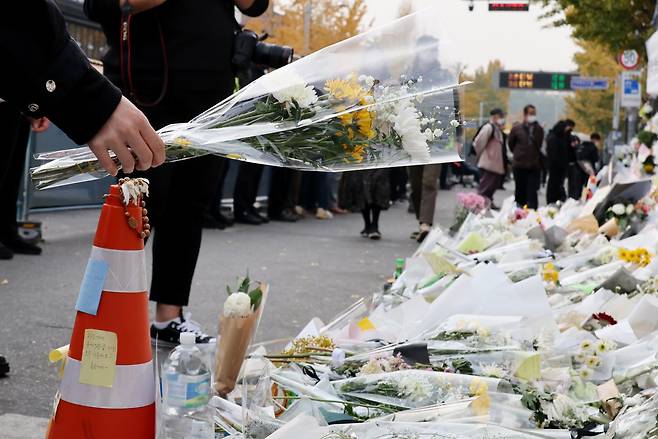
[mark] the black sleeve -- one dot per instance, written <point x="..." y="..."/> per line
<point x="257" y="9"/>
<point x="46" y="74"/>
<point x="97" y="10"/>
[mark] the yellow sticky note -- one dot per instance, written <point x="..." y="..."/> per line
<point x="529" y="367"/>
<point x="365" y="324"/>
<point x="99" y="358"/>
<point x="59" y="355"/>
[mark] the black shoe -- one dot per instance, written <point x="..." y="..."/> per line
<point x="225" y="220"/>
<point x="375" y="235"/>
<point x="4" y="367"/>
<point x="286" y="216"/>
<point x="210" y="222"/>
<point x="5" y="253"/>
<point x="21" y="247"/>
<point x="263" y="218"/>
<point x="248" y="218"/>
<point x="170" y="336"/>
<point x="365" y="233"/>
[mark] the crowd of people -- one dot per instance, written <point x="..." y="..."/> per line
<point x="534" y="158"/>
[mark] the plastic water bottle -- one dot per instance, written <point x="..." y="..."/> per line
<point x="186" y="391"/>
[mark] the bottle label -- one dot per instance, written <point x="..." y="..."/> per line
<point x="187" y="391"/>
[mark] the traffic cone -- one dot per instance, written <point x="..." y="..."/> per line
<point x="102" y="398"/>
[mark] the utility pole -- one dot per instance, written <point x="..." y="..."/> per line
<point x="308" y="17"/>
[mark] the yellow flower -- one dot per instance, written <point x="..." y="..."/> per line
<point x="364" y="120"/>
<point x="182" y="141"/>
<point x="482" y="403"/>
<point x="623" y="254"/>
<point x="346" y="119"/>
<point x="357" y="154"/>
<point x="549" y="273"/>
<point x="345" y="88"/>
<point x="585" y="345"/>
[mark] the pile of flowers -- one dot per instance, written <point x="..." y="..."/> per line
<point x="468" y="203"/>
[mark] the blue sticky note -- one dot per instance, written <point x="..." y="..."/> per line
<point x="92" y="287"/>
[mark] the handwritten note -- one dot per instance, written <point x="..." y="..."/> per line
<point x="99" y="358"/>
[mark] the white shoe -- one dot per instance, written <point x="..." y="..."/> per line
<point x="323" y="214"/>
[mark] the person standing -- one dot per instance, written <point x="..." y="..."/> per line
<point x="245" y="193"/>
<point x="369" y="192"/>
<point x="173" y="58"/>
<point x="557" y="148"/>
<point x="525" y="141"/>
<point x="424" y="188"/>
<point x="489" y="145"/>
<point x="575" y="178"/>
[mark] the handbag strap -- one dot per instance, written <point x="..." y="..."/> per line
<point x="125" y="59"/>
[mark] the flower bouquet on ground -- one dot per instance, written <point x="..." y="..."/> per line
<point x="467" y="202"/>
<point x="237" y="327"/>
<point x="387" y="97"/>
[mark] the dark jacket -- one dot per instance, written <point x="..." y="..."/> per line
<point x="589" y="152"/>
<point x="558" y="147"/>
<point x="525" y="142"/>
<point x="44" y="72"/>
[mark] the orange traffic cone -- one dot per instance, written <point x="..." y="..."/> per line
<point x="108" y="385"/>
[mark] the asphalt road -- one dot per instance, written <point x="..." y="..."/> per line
<point x="314" y="267"/>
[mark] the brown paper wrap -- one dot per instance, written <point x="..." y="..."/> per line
<point x="235" y="336"/>
<point x="587" y="224"/>
<point x="610" y="228"/>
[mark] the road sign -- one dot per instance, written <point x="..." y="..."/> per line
<point x="556" y="81"/>
<point x="509" y="6"/>
<point x="631" y="90"/>
<point x="585" y="83"/>
<point x="629" y="59"/>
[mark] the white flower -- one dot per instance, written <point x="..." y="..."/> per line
<point x="454" y="123"/>
<point x="414" y="389"/>
<point x="237" y="305"/>
<point x="493" y="371"/>
<point x="580" y="358"/>
<point x="420" y="79"/>
<point x="629" y="209"/>
<point x="133" y="188"/>
<point x="593" y="362"/>
<point x="438" y="133"/>
<point x="586" y="346"/>
<point x="406" y="123"/>
<point x="585" y="373"/>
<point x="372" y="367"/>
<point x="304" y="95"/>
<point x="429" y="135"/>
<point x="367" y="80"/>
<point x="618" y="209"/>
<point x="602" y="346"/>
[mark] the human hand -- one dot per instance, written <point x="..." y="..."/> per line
<point x="39" y="125"/>
<point x="130" y="136"/>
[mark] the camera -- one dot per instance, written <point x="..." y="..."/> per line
<point x="471" y="6"/>
<point x="249" y="48"/>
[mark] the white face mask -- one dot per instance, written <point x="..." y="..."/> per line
<point x="531" y="118"/>
<point x="501" y="121"/>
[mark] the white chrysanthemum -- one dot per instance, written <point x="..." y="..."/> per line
<point x="372" y="367"/>
<point x="438" y="133"/>
<point x="585" y="373"/>
<point x="454" y="123"/>
<point x="304" y="95"/>
<point x="586" y="346"/>
<point x="406" y="123"/>
<point x="493" y="371"/>
<point x="629" y="209"/>
<point x="367" y="80"/>
<point x="619" y="209"/>
<point x="414" y="389"/>
<point x="237" y="305"/>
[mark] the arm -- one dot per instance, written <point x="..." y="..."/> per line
<point x="50" y="76"/>
<point x="511" y="139"/>
<point x="252" y="8"/>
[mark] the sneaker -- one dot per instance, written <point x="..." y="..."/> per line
<point x="338" y="211"/>
<point x="423" y="232"/>
<point x="22" y="247"/>
<point x="375" y="235"/>
<point x="365" y="233"/>
<point x="323" y="214"/>
<point x="170" y="335"/>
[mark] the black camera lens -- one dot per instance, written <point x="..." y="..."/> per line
<point x="272" y="55"/>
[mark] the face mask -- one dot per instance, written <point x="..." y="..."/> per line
<point x="501" y="122"/>
<point x="531" y="118"/>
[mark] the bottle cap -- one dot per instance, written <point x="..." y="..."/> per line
<point x="399" y="261"/>
<point x="187" y="338"/>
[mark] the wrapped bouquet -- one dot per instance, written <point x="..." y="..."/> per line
<point x="238" y="323"/>
<point x="387" y="97"/>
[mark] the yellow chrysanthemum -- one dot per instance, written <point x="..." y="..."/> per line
<point x="481" y="405"/>
<point x="364" y="119"/>
<point x="345" y="89"/>
<point x="549" y="273"/>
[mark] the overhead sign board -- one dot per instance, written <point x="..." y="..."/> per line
<point x="587" y="83"/>
<point x="557" y="81"/>
<point x="509" y="6"/>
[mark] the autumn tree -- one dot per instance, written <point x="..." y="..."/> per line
<point x="331" y="21"/>
<point x="483" y="90"/>
<point x="614" y="24"/>
<point x="592" y="109"/>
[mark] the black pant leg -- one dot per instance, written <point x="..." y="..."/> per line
<point x="177" y="237"/>
<point x="416" y="180"/>
<point x="520" y="184"/>
<point x="532" y="187"/>
<point x="246" y="186"/>
<point x="14" y="134"/>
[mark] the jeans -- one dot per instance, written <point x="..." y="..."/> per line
<point x="526" y="183"/>
<point x="315" y="191"/>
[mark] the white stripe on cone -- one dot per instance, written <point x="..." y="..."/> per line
<point x="134" y="386"/>
<point x="126" y="272"/>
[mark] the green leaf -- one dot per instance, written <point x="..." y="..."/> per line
<point x="256" y="296"/>
<point x="244" y="285"/>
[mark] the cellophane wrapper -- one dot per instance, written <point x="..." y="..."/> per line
<point x="387" y="97"/>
